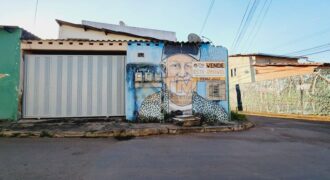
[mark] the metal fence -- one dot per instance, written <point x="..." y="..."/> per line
<point x="74" y="86"/>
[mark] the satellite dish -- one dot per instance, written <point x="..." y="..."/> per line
<point x="192" y="37"/>
<point x="122" y="23"/>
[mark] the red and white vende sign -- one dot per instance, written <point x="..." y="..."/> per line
<point x="208" y="70"/>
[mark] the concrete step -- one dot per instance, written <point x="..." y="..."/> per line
<point x="187" y="120"/>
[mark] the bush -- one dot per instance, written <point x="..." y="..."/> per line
<point x="45" y="134"/>
<point x="235" y="116"/>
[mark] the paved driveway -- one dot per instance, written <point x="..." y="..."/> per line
<point x="275" y="149"/>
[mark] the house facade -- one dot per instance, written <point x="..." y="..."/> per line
<point x="243" y="67"/>
<point x="138" y="77"/>
<point x="278" y="84"/>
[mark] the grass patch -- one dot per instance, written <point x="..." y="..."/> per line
<point x="45" y="134"/>
<point x="235" y="116"/>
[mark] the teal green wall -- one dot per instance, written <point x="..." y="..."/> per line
<point x="9" y="73"/>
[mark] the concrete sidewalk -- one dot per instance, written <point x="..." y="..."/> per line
<point x="116" y="129"/>
<point x="315" y="118"/>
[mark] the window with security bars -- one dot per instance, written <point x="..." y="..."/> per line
<point x="216" y="90"/>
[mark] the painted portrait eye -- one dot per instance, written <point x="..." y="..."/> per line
<point x="175" y="65"/>
<point x="188" y="65"/>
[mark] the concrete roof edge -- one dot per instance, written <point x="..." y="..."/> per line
<point x="172" y="32"/>
<point x="293" y="64"/>
<point x="267" y="55"/>
<point x="128" y="41"/>
<point x="61" y="22"/>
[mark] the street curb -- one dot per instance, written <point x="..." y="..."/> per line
<point x="130" y="132"/>
<point x="313" y="118"/>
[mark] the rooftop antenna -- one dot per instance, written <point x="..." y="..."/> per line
<point x="192" y="37"/>
<point x="208" y="39"/>
<point x="122" y="23"/>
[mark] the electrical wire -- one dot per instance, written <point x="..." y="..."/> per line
<point x="256" y="22"/>
<point x="207" y="16"/>
<point x="259" y="25"/>
<point x="319" y="52"/>
<point x="35" y="14"/>
<point x="246" y="23"/>
<point x="308" y="49"/>
<point x="240" y="25"/>
<point x="302" y="38"/>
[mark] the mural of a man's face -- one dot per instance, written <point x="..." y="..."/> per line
<point x="178" y="79"/>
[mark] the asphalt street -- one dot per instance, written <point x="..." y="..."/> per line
<point x="274" y="149"/>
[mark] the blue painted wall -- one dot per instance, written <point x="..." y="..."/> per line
<point x="152" y="53"/>
<point x="150" y="99"/>
<point x="215" y="53"/>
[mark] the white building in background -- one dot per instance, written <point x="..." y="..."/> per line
<point x="90" y="30"/>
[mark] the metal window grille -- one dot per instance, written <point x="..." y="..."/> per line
<point x="216" y="90"/>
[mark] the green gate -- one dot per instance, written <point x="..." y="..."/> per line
<point x="9" y="71"/>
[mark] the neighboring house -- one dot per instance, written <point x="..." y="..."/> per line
<point x="10" y="70"/>
<point x="89" y="30"/>
<point x="282" y="70"/>
<point x="242" y="67"/>
<point x="286" y="89"/>
<point x="256" y="80"/>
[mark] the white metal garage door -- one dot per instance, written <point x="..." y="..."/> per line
<point x="74" y="86"/>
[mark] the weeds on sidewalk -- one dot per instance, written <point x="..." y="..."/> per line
<point x="45" y="134"/>
<point x="235" y="116"/>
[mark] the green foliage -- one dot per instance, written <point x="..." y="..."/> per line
<point x="45" y="134"/>
<point x="142" y="119"/>
<point x="235" y="116"/>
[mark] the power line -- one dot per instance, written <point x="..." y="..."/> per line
<point x="35" y="14"/>
<point x="256" y="22"/>
<point x="319" y="52"/>
<point x="303" y="38"/>
<point x="260" y="24"/>
<point x="207" y="16"/>
<point x="308" y="49"/>
<point x="240" y="25"/>
<point x="246" y="23"/>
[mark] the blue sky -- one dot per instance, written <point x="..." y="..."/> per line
<point x="289" y="25"/>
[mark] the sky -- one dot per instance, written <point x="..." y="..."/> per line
<point x="288" y="25"/>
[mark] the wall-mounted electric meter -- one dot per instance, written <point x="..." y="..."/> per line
<point x="148" y="76"/>
<point x="138" y="77"/>
<point x="158" y="77"/>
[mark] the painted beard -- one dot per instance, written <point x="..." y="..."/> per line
<point x="181" y="100"/>
<point x="180" y="91"/>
